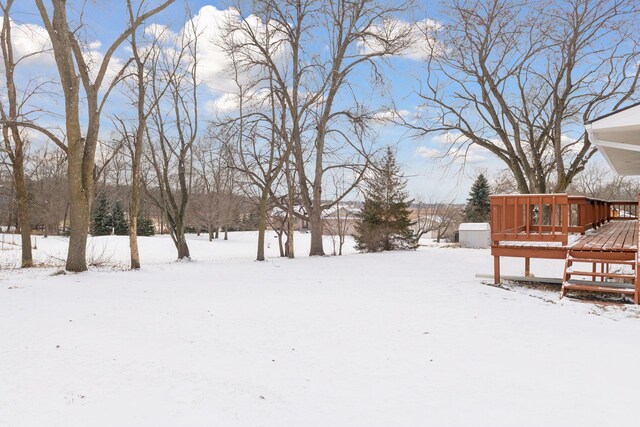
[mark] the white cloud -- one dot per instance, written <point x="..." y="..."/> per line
<point x="160" y="32"/>
<point x="387" y="116"/>
<point x="93" y="57"/>
<point x="458" y="149"/>
<point x="450" y="138"/>
<point x="428" y="153"/>
<point x="229" y="102"/>
<point x="471" y="157"/>
<point x="213" y="61"/>
<point x="572" y="144"/>
<point x="226" y="103"/>
<point x="31" y="41"/>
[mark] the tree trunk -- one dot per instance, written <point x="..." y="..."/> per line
<point x="133" y="241"/>
<point x="226" y="233"/>
<point x="183" y="249"/>
<point x="81" y="187"/>
<point x="10" y="213"/>
<point x="133" y="205"/>
<point x="289" y="243"/>
<point x="210" y="232"/>
<point x="64" y="220"/>
<point x="280" y="245"/>
<point x="23" y="211"/>
<point x="262" y="225"/>
<point x="78" y="224"/>
<point x="80" y="206"/>
<point x="315" y="225"/>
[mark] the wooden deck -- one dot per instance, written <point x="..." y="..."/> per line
<point x="615" y="236"/>
<point x="582" y="231"/>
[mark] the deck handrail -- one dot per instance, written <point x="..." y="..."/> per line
<point x="551" y="217"/>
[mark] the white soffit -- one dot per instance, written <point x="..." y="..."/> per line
<point x="617" y="136"/>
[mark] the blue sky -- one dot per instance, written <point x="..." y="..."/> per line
<point x="430" y="178"/>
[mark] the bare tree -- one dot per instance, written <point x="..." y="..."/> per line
<point x="322" y="133"/>
<point x="134" y="134"/>
<point x="46" y="169"/>
<point x="278" y="221"/>
<point x="503" y="183"/>
<point x="597" y="181"/>
<point x="14" y="139"/>
<point x="262" y="144"/>
<point x="339" y="221"/>
<point x="173" y="131"/>
<point x="214" y="184"/>
<point x="519" y="78"/>
<point x="441" y="217"/>
<point x="358" y="33"/>
<point x="7" y="193"/>
<point x="76" y="75"/>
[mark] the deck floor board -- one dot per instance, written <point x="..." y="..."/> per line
<point x="614" y="236"/>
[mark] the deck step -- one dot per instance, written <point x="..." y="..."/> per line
<point x="574" y="279"/>
<point x="572" y="272"/>
<point x="568" y="286"/>
<point x="597" y="261"/>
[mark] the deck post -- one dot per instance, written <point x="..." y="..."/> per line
<point x="496" y="270"/>
<point x="527" y="267"/>
<point x="636" y="295"/>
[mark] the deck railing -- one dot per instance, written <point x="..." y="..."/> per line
<point x="530" y="217"/>
<point x="587" y="213"/>
<point x="551" y="217"/>
<point x="623" y="209"/>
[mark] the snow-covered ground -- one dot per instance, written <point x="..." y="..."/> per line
<point x="393" y="339"/>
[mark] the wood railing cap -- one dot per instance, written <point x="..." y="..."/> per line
<point x="570" y="197"/>
<point x="529" y="195"/>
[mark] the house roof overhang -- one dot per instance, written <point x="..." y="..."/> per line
<point x="617" y="136"/>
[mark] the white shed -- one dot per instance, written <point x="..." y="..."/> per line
<point x="474" y="235"/>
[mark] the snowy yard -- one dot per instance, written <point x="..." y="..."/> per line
<point x="393" y="339"/>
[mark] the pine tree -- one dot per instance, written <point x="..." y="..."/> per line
<point x="384" y="223"/>
<point x="101" y="223"/>
<point x="478" y="208"/>
<point x="120" y="223"/>
<point x="145" y="227"/>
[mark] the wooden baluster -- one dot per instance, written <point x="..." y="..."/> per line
<point x="502" y="215"/>
<point x="515" y="217"/>
<point x="566" y="214"/>
<point x="528" y="217"/>
<point x="540" y="213"/>
<point x="552" y="219"/>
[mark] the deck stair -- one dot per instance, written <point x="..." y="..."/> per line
<point x="600" y="271"/>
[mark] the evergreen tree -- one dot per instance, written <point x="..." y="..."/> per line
<point x="478" y="208"/>
<point x="145" y="227"/>
<point x="120" y="223"/>
<point x="101" y="223"/>
<point x="384" y="223"/>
